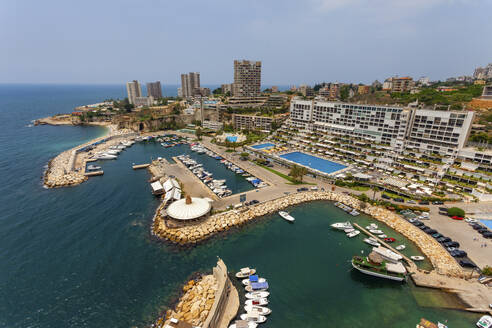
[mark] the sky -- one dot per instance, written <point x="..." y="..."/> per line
<point x="298" y="41"/>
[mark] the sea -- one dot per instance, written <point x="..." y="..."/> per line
<point x="83" y="256"/>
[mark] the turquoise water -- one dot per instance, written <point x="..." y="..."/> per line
<point x="231" y="138"/>
<point x="488" y="223"/>
<point x="263" y="145"/>
<point x="314" y="162"/>
<point x="83" y="256"/>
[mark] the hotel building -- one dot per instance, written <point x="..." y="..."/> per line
<point x="133" y="90"/>
<point x="251" y="122"/>
<point x="154" y="90"/>
<point x="247" y="78"/>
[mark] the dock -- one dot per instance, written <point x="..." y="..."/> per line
<point x="94" y="173"/>
<point x="411" y="265"/>
<point x="140" y="166"/>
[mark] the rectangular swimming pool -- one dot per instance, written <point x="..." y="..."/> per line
<point x="231" y="138"/>
<point x="264" y="145"/>
<point x="488" y="223"/>
<point x="313" y="162"/>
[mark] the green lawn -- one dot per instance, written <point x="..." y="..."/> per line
<point x="286" y="177"/>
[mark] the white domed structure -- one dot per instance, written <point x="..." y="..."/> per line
<point x="189" y="208"/>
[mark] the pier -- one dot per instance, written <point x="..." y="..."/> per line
<point x="140" y="166"/>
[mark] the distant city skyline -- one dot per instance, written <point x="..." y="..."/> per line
<point x="298" y="42"/>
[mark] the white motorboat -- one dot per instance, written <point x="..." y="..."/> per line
<point x="382" y="236"/>
<point x="257" y="309"/>
<point x="417" y="258"/>
<point x="372" y="226"/>
<point x="250" y="289"/>
<point x="353" y="233"/>
<point x="254" y="295"/>
<point x="387" y="254"/>
<point x="245" y="272"/>
<point x="247" y="282"/>
<point x="372" y="241"/>
<point x="485" y="322"/>
<point x="243" y="324"/>
<point x="354" y="213"/>
<point x="93" y="167"/>
<point x="286" y="216"/>
<point x="376" y="232"/>
<point x="400" y="247"/>
<point x="256" y="302"/>
<point x="349" y="230"/>
<point x="112" y="152"/>
<point x="342" y="225"/>
<point x="253" y="317"/>
<point x="105" y="156"/>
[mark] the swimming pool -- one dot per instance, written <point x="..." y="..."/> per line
<point x="231" y="138"/>
<point x="264" y="145"/>
<point x="313" y="162"/>
<point x="488" y="223"/>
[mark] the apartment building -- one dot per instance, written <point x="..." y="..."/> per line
<point x="143" y="101"/>
<point x="133" y="91"/>
<point x="247" y="78"/>
<point x="226" y="88"/>
<point x="306" y="90"/>
<point x="252" y="122"/>
<point x="190" y="84"/>
<point x="154" y="90"/>
<point x="439" y="132"/>
<point x="428" y="131"/>
<point x="398" y="84"/>
<point x="212" y="125"/>
<point x="363" y="89"/>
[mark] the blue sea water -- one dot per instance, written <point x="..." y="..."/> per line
<point x="314" y="162"/>
<point x="83" y="256"/>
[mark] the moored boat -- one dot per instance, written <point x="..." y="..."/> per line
<point x="257" y="309"/>
<point x="387" y="254"/>
<point x="417" y="258"/>
<point x="243" y="324"/>
<point x="286" y="216"/>
<point x="253" y="317"/>
<point x="400" y="247"/>
<point x="374" y="265"/>
<point x="342" y="225"/>
<point x="256" y="302"/>
<point x="485" y="322"/>
<point x="257" y="286"/>
<point x="245" y="272"/>
<point x="252" y="279"/>
<point x="353" y="233"/>
<point x="372" y="241"/>
<point x="254" y="295"/>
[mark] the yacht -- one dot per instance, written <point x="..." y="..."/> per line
<point x="417" y="258"/>
<point x="372" y="226"/>
<point x="257" y="309"/>
<point x="372" y="241"/>
<point x="248" y="281"/>
<point x="376" y="232"/>
<point x="93" y="167"/>
<point x="105" y="156"/>
<point x="342" y="225"/>
<point x="374" y="265"/>
<point x="254" y="295"/>
<point x="387" y="254"/>
<point x="286" y="216"/>
<point x="400" y="247"/>
<point x="253" y="317"/>
<point x="485" y="322"/>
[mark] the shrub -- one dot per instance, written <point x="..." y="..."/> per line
<point x="487" y="271"/>
<point x="456" y="211"/>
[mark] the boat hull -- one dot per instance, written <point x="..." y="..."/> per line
<point x="379" y="275"/>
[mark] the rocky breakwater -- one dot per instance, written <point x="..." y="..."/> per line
<point x="190" y="234"/>
<point x="195" y="304"/>
<point x="59" y="173"/>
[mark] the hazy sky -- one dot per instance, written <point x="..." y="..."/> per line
<point x="298" y="41"/>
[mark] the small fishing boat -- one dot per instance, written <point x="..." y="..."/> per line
<point x="417" y="258"/>
<point x="376" y="232"/>
<point x="372" y="241"/>
<point x="354" y="213"/>
<point x="400" y="247"/>
<point x="256" y="318"/>
<point x="257" y="286"/>
<point x="247" y="282"/>
<point x="105" y="156"/>
<point x="382" y="236"/>
<point x="243" y="324"/>
<point x="286" y="216"/>
<point x="254" y="295"/>
<point x="256" y="302"/>
<point x="485" y="322"/>
<point x="245" y="273"/>
<point x="93" y="167"/>
<point x="389" y="240"/>
<point x="349" y="230"/>
<point x="353" y="233"/>
<point x="372" y="226"/>
<point x="257" y="309"/>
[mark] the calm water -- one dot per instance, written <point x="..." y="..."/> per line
<point x="83" y="257"/>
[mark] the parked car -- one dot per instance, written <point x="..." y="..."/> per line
<point x="467" y="264"/>
<point x="424" y="202"/>
<point x="487" y="235"/>
<point x="444" y="239"/>
<point x="437" y="235"/>
<point x="482" y="231"/>
<point x="437" y="202"/>
<point x="423" y="226"/>
<point x="430" y="231"/>
<point x="477" y="226"/>
<point x="411" y="201"/>
<point x="385" y="196"/>
<point x="450" y="249"/>
<point x="254" y="201"/>
<point x="451" y="244"/>
<point x="399" y="200"/>
<point x="444" y="209"/>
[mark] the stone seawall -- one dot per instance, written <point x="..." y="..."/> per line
<point x="210" y="302"/>
<point x="191" y="234"/>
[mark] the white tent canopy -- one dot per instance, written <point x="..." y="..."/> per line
<point x="189" y="208"/>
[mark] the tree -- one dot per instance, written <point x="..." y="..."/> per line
<point x="199" y="133"/>
<point x="217" y="91"/>
<point x="297" y="172"/>
<point x="244" y="155"/>
<point x="456" y="211"/>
